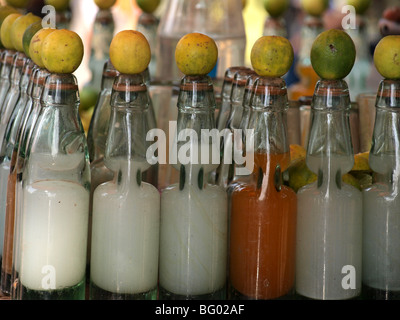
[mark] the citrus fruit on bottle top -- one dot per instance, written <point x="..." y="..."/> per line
<point x="315" y="8"/>
<point x="271" y="56"/>
<point x="130" y="52"/>
<point x="333" y="54"/>
<point x="62" y="51"/>
<point x="361" y="6"/>
<point x="59" y="5"/>
<point x="18" y="3"/>
<point x="104" y="4"/>
<point x="5" y="31"/>
<point x="276" y="8"/>
<point x="28" y="35"/>
<point x="35" y="46"/>
<point x="196" y="54"/>
<point x="387" y="57"/>
<point x="5" y="11"/>
<point x="18" y="29"/>
<point x="148" y="6"/>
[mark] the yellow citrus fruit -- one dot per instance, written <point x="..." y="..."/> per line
<point x="5" y="31"/>
<point x="35" y="46"/>
<point x="104" y="4"/>
<point x="276" y="8"/>
<point x="18" y="3"/>
<point x="5" y="11"/>
<point x="271" y="56"/>
<point x="62" y="51"/>
<point x="333" y="54"/>
<point x="196" y="54"/>
<point x="59" y="5"/>
<point x="361" y="6"/>
<point x="387" y="57"/>
<point x="315" y="8"/>
<point x="148" y="6"/>
<point x="28" y="34"/>
<point x="130" y="52"/>
<point x="18" y="28"/>
<point x="361" y="162"/>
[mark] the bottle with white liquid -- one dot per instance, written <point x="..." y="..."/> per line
<point x="381" y="202"/>
<point x="193" y="232"/>
<point x="53" y="222"/>
<point x="329" y="221"/>
<point x="126" y="210"/>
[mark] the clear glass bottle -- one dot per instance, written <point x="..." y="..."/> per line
<point x="312" y="27"/>
<point x="263" y="210"/>
<point x="126" y="210"/>
<point x="193" y="232"/>
<point x="8" y="147"/>
<point x="103" y="31"/>
<point x="5" y="75"/>
<point x="225" y="170"/>
<point x="55" y="199"/>
<point x="148" y="24"/>
<point x="357" y="78"/>
<point x="329" y="222"/>
<point x="219" y="19"/>
<point x="275" y="27"/>
<point x="381" y="202"/>
<point x="14" y="190"/>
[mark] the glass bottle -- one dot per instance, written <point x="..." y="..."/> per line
<point x="225" y="170"/>
<point x="126" y="210"/>
<point x="219" y="19"/>
<point x="329" y="222"/>
<point x="14" y="190"/>
<point x="8" y="147"/>
<point x="275" y="27"/>
<point x="147" y="24"/>
<point x="357" y="78"/>
<point x="193" y="232"/>
<point x="381" y="202"/>
<point x="103" y="31"/>
<point x="5" y="75"/>
<point x="55" y="199"/>
<point x="312" y="27"/>
<point x="263" y="211"/>
<point x="7" y="107"/>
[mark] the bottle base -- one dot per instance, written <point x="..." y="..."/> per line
<point x="97" y="293"/>
<point x="369" y="293"/>
<point x="233" y="294"/>
<point x="167" y="295"/>
<point x="76" y="292"/>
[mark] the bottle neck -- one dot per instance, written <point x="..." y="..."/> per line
<point x="384" y="158"/>
<point x="7" y="65"/>
<point x="16" y="71"/>
<point x="126" y="146"/>
<point x="330" y="151"/>
<point x="26" y="76"/>
<point x="313" y="26"/>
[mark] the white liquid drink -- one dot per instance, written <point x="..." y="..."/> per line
<point x="125" y="233"/>
<point x="381" y="236"/>
<point x="4" y="172"/>
<point x="193" y="244"/>
<point x="329" y="234"/>
<point x="54" y="235"/>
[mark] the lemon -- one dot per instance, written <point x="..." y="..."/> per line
<point x="104" y="4"/>
<point x="18" y="28"/>
<point x="315" y="8"/>
<point x="387" y="57"/>
<point x="196" y="54"/>
<point x="333" y="54"/>
<point x="59" y="5"/>
<point x="361" y="6"/>
<point x="35" y="46"/>
<point x="18" y="3"/>
<point x="148" y="6"/>
<point x="5" y="31"/>
<point x="28" y="34"/>
<point x="130" y="52"/>
<point x="271" y="56"/>
<point x="62" y="51"/>
<point x="276" y="8"/>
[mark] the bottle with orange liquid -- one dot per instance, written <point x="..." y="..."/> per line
<point x="263" y="210"/>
